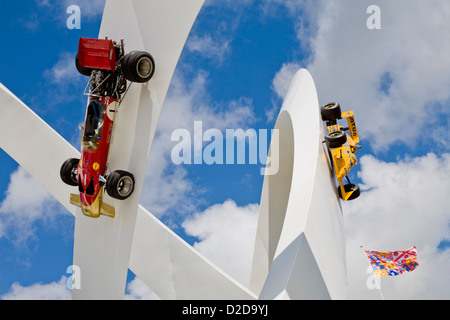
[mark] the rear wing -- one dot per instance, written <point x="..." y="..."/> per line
<point x="97" y="54"/>
<point x="351" y="125"/>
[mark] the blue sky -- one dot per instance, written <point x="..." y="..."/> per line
<point x="233" y="73"/>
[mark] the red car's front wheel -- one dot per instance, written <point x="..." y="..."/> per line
<point x="68" y="172"/>
<point x="120" y="184"/>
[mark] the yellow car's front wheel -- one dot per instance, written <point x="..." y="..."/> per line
<point x="336" y="139"/>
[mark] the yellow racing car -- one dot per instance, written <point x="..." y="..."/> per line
<point x="342" y="147"/>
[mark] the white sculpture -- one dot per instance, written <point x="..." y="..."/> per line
<point x="300" y="248"/>
<point x="299" y="251"/>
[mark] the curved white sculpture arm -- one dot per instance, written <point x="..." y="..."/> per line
<point x="300" y="248"/>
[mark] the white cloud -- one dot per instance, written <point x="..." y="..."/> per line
<point x="350" y="63"/>
<point x="44" y="3"/>
<point x="283" y="78"/>
<point x="57" y="290"/>
<point x="52" y="291"/>
<point x="64" y="71"/>
<point x="226" y="234"/>
<point x="280" y="85"/>
<point x="216" y="43"/>
<point x="25" y="203"/>
<point x="208" y="47"/>
<point x="405" y="204"/>
<point x="138" y="290"/>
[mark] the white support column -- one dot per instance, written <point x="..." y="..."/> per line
<point x="300" y="248"/>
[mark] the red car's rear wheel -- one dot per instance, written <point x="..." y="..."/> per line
<point x="138" y="66"/>
<point x="84" y="71"/>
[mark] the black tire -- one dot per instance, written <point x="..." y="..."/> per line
<point x="84" y="71"/>
<point x="336" y="139"/>
<point x="138" y="66"/>
<point x="331" y="112"/>
<point x="350" y="187"/>
<point x="120" y="184"/>
<point x="68" y="172"/>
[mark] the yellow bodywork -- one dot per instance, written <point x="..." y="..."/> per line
<point x="343" y="161"/>
<point x="96" y="209"/>
<point x="343" y="157"/>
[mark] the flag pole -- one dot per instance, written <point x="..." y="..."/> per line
<point x="376" y="284"/>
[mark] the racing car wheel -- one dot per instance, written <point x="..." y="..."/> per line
<point x="68" y="172"/>
<point x="138" y="66"/>
<point x="330" y="111"/>
<point x="120" y="184"/>
<point x="336" y="139"/>
<point x="351" y="187"/>
<point x="84" y="71"/>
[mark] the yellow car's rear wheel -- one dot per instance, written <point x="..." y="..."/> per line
<point x="331" y="111"/>
<point x="348" y="188"/>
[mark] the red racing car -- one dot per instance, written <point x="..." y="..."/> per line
<point x="108" y="68"/>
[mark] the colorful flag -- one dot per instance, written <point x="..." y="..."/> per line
<point x="392" y="263"/>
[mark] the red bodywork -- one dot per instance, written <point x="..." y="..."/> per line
<point x="95" y="142"/>
<point x="97" y="54"/>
